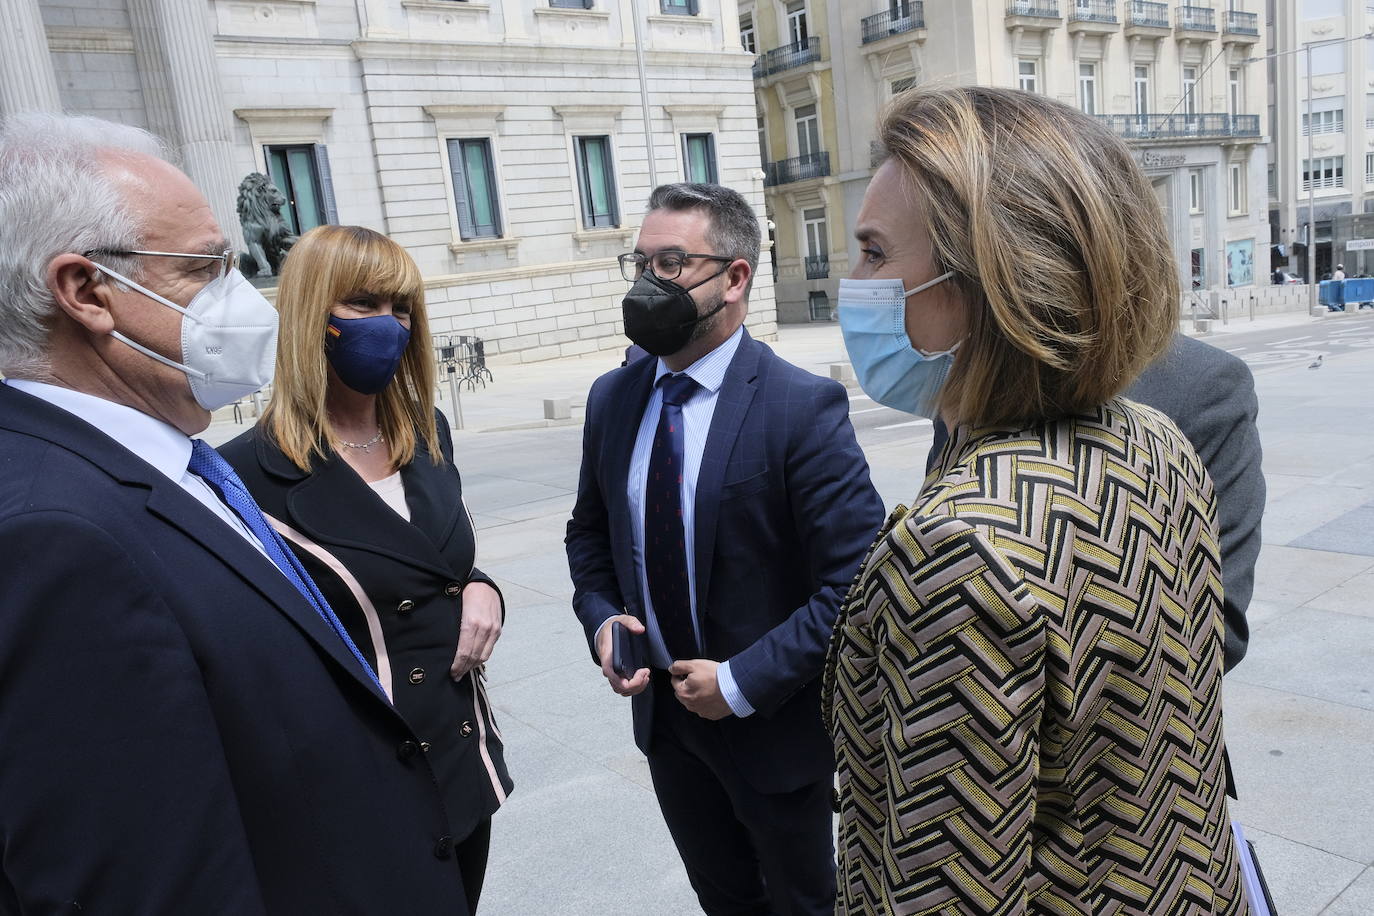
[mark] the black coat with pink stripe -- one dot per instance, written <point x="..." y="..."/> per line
<point x="396" y="585"/>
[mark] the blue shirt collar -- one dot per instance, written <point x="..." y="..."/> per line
<point x="709" y="371"/>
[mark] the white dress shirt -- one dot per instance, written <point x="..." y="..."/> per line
<point x="160" y="444"/>
<point x="697" y="411"/>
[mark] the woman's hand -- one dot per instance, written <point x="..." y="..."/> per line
<point x="480" y="629"/>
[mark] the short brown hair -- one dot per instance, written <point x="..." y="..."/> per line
<point x="328" y="264"/>
<point x="1056" y="242"/>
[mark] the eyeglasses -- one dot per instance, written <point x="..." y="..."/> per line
<point x="666" y="265"/>
<point x="228" y="259"/>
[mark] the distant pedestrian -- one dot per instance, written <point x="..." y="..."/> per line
<point x="1339" y="272"/>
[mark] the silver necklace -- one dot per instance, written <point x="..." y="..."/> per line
<point x="365" y="446"/>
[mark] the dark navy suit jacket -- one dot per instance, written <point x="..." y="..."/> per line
<point x="180" y="732"/>
<point x="784" y="513"/>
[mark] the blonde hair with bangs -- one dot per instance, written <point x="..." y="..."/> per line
<point x="327" y="265"/>
<point x="1057" y="243"/>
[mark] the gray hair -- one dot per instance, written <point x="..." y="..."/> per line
<point x="734" y="228"/>
<point x="55" y="197"/>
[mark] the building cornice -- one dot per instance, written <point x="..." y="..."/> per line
<point x="412" y="49"/>
<point x="78" y="39"/>
<point x="517" y="273"/>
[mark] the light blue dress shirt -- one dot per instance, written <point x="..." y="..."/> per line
<point x="709" y="373"/>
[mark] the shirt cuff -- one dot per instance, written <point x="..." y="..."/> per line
<point x="596" y="638"/>
<point x="730" y="690"/>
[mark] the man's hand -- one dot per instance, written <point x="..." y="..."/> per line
<point x="636" y="684"/>
<point x="480" y="628"/>
<point x="694" y="682"/>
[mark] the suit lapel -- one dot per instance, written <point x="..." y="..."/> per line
<point x="333" y="505"/>
<point x="176" y="507"/>
<point x="169" y="502"/>
<point x="732" y="405"/>
<point x="433" y="496"/>
<point x="621" y="427"/>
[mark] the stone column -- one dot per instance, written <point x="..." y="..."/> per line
<point x="376" y="19"/>
<point x="27" y="81"/>
<point x="176" y="55"/>
<point x="729" y="26"/>
<point x="513" y="17"/>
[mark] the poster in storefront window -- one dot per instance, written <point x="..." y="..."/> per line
<point x="1240" y="263"/>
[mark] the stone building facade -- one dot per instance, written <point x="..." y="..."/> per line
<point x="1177" y="82"/>
<point x="1328" y="201"/>
<point x="502" y="142"/>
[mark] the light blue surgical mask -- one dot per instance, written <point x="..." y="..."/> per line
<point x="890" y="370"/>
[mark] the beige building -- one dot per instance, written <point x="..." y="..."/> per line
<point x="1174" y="81"/>
<point x="1336" y="136"/>
<point x="503" y="142"/>
<point x="797" y="127"/>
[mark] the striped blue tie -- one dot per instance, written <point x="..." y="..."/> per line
<point x="207" y="464"/>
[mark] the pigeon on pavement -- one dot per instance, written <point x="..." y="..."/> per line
<point x="1318" y="363"/>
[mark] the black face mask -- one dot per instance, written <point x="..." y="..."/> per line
<point x="660" y="315"/>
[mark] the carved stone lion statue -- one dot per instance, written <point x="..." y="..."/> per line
<point x="267" y="235"/>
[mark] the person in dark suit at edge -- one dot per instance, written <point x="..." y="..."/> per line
<point x="722" y="509"/>
<point x="1210" y="394"/>
<point x="185" y="726"/>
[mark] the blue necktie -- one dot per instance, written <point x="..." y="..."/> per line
<point x="665" y="549"/>
<point x="207" y="464"/>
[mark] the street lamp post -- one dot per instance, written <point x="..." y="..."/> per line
<point x="644" y="97"/>
<point x="1311" y="185"/>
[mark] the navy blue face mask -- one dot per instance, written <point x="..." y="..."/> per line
<point x="365" y="352"/>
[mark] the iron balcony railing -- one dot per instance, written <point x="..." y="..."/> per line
<point x="798" y="168"/>
<point x="1160" y="126"/>
<point x="1239" y="23"/>
<point x="905" y="18"/>
<point x="787" y="57"/>
<point x="1197" y="18"/>
<point x="817" y="267"/>
<point x="1093" y="11"/>
<point x="1043" y="9"/>
<point x="1146" y="13"/>
<point x="1326" y="181"/>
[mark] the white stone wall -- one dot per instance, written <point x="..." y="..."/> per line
<point x="1242" y="302"/>
<point x="381" y="83"/>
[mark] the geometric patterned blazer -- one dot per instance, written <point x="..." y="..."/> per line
<point x="1024" y="684"/>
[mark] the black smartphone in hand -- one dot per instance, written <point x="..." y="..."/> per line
<point x="628" y="650"/>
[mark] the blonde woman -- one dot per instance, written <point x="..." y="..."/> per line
<point x="1024" y="683"/>
<point x="353" y="465"/>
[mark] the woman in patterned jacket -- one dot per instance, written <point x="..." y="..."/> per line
<point x="1024" y="686"/>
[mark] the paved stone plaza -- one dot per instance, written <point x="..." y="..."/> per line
<point x="582" y="834"/>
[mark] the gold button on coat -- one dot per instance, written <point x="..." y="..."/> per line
<point x="405" y="607"/>
<point x="417" y="675"/>
<point x="453" y="589"/>
<point x="465" y="729"/>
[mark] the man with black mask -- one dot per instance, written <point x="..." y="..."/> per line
<point x="723" y="508"/>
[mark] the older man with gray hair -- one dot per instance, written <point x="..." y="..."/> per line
<point x="184" y="726"/>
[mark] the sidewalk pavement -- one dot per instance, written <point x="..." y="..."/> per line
<point x="581" y="834"/>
